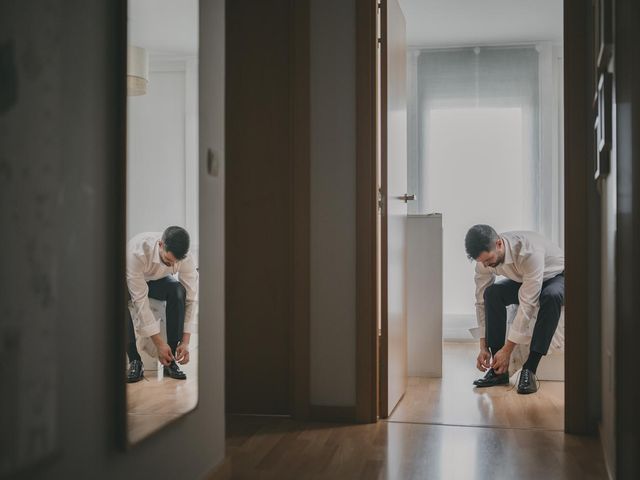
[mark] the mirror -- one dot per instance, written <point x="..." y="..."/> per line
<point x="162" y="214"/>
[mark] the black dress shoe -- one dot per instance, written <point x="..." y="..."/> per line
<point x="527" y="383"/>
<point x="491" y="379"/>
<point x="174" y="371"/>
<point x="136" y="371"/>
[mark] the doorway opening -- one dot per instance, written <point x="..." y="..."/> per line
<point x="484" y="146"/>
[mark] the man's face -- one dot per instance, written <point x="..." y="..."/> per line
<point x="167" y="257"/>
<point x="493" y="258"/>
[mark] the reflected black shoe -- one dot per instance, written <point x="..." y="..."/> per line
<point x="136" y="371"/>
<point x="174" y="371"/>
<point x="527" y="383"/>
<point x="491" y="379"/>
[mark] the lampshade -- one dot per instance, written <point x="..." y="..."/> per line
<point x="137" y="70"/>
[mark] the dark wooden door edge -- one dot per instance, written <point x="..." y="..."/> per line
<point x="333" y="414"/>
<point x="293" y="65"/>
<point x="300" y="126"/>
<point x="383" y="360"/>
<point x="119" y="234"/>
<point x="581" y="230"/>
<point x="366" y="195"/>
<point x="627" y="392"/>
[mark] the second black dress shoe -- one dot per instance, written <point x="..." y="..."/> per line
<point x="174" y="371"/>
<point x="527" y="383"/>
<point x="491" y="379"/>
<point x="136" y="371"/>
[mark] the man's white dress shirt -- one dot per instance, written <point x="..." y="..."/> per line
<point x="143" y="265"/>
<point x="529" y="259"/>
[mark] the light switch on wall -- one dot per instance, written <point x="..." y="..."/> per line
<point x="213" y="164"/>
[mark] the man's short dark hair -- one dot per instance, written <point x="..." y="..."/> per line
<point x="480" y="238"/>
<point x="176" y="241"/>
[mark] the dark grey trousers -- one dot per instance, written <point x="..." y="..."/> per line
<point x="505" y="292"/>
<point x="173" y="292"/>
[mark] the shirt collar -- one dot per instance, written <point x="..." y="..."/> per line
<point x="508" y="257"/>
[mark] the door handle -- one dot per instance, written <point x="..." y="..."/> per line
<point x="406" y="197"/>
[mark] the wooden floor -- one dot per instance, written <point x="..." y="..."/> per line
<point x="452" y="399"/>
<point x="494" y="434"/>
<point x="155" y="401"/>
<point x="270" y="448"/>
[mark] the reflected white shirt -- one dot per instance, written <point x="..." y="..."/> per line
<point x="143" y="265"/>
<point x="529" y="259"/>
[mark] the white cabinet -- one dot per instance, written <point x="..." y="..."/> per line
<point x="424" y="295"/>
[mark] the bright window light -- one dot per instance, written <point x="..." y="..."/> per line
<point x="475" y="172"/>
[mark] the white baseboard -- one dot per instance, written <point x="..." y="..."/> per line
<point x="456" y="327"/>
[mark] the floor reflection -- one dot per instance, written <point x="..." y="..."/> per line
<point x="452" y="399"/>
<point x="156" y="400"/>
<point x="279" y="448"/>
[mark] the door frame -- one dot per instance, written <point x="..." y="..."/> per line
<point x="581" y="391"/>
<point x="367" y="358"/>
<point x="298" y="230"/>
<point x="627" y="86"/>
<point x="582" y="229"/>
<point x="382" y="159"/>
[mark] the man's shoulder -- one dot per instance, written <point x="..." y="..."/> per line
<point x="189" y="263"/>
<point x="524" y="243"/>
<point x="143" y="243"/>
<point x="145" y="237"/>
<point x="521" y="234"/>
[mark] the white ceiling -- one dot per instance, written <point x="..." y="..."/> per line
<point x="164" y="26"/>
<point x="480" y="22"/>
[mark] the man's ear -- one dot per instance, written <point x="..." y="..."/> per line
<point x="499" y="243"/>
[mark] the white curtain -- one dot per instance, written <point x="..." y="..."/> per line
<point x="474" y="148"/>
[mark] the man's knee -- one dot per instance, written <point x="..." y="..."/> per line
<point x="491" y="293"/>
<point x="552" y="296"/>
<point x="178" y="291"/>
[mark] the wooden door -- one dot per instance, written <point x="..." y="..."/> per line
<point x="258" y="208"/>
<point x="393" y="131"/>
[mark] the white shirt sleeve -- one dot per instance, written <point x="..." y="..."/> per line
<point x="144" y="322"/>
<point x="528" y="296"/>
<point x="484" y="277"/>
<point x="188" y="277"/>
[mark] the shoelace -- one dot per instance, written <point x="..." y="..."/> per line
<point x="525" y="376"/>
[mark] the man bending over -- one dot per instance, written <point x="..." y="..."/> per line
<point x="152" y="261"/>
<point x="534" y="271"/>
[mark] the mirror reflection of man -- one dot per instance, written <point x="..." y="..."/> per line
<point x="534" y="271"/>
<point x="153" y="260"/>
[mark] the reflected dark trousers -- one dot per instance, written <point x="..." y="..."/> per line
<point x="173" y="292"/>
<point x="504" y="293"/>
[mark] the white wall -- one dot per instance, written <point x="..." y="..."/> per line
<point x="162" y="176"/>
<point x="333" y="180"/>
<point x="551" y="208"/>
<point x="544" y="187"/>
<point x="67" y="129"/>
<point x="164" y="25"/>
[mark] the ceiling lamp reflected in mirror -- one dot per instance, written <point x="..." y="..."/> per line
<point x="137" y="71"/>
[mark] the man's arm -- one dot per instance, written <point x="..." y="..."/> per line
<point x="188" y="277"/>
<point x="483" y="278"/>
<point x="528" y="296"/>
<point x="143" y="319"/>
<point x="533" y="268"/>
